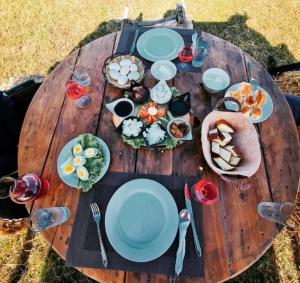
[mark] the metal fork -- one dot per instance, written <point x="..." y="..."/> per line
<point x="97" y="217"/>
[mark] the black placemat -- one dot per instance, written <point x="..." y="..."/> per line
<point x="84" y="248"/>
<point x="127" y="36"/>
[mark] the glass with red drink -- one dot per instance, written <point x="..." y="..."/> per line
<point x="27" y="188"/>
<point x="205" y="192"/>
<point x="185" y="55"/>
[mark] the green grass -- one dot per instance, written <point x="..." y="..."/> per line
<point x="35" y="35"/>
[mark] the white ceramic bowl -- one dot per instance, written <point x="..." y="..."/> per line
<point x="163" y="70"/>
<point x="215" y="80"/>
<point x="188" y="136"/>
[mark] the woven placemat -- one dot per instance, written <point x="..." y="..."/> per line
<point x="84" y="248"/>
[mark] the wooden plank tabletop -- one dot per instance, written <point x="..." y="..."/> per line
<point x="235" y="236"/>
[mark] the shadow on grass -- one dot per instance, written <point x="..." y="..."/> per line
<point x="22" y="261"/>
<point x="236" y="31"/>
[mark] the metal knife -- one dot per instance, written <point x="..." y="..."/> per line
<point x="190" y="211"/>
<point x="134" y="41"/>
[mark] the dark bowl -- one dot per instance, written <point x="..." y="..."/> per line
<point x="119" y="128"/>
<point x="138" y="93"/>
<point x="154" y="145"/>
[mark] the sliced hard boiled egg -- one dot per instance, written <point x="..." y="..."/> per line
<point x="77" y="149"/>
<point x="82" y="173"/>
<point x="79" y="160"/>
<point x="90" y="152"/>
<point x="68" y="168"/>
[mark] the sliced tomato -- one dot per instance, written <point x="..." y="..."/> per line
<point x="161" y="112"/>
<point x="143" y="113"/>
<point x="151" y="119"/>
<point x="152" y="104"/>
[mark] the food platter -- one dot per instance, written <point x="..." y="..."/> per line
<point x="149" y="127"/>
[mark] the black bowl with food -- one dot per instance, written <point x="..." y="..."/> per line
<point x="138" y="93"/>
<point x="131" y="127"/>
<point x="154" y="134"/>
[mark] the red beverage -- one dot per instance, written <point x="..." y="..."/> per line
<point x="74" y="90"/>
<point x="27" y="188"/>
<point x="186" y="53"/>
<point x="205" y="192"/>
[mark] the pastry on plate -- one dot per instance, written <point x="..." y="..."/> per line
<point x="256" y="113"/>
<point x="246" y="110"/>
<point x="246" y="89"/>
<point x="250" y="101"/>
<point x="260" y="98"/>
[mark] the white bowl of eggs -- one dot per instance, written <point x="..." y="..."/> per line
<point x="120" y="70"/>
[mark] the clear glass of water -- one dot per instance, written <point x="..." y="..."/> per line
<point x="281" y="213"/>
<point x="45" y="218"/>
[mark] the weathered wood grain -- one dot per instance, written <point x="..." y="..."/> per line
<point x="246" y="234"/>
<point x="279" y="139"/>
<point x="41" y="119"/>
<point x="234" y="236"/>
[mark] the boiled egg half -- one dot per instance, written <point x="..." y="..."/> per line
<point x="90" y="152"/>
<point x="79" y="160"/>
<point x="77" y="149"/>
<point x="82" y="173"/>
<point x="68" y="168"/>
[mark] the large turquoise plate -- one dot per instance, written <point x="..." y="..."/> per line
<point x="141" y="220"/>
<point x="71" y="180"/>
<point x="267" y="108"/>
<point x="159" y="44"/>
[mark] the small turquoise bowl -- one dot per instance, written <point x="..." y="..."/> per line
<point x="215" y="80"/>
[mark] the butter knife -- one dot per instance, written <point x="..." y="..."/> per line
<point x="190" y="211"/>
<point x="134" y="41"/>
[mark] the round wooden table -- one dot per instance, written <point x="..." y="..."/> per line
<point x="235" y="236"/>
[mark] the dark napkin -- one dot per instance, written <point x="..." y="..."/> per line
<point x="84" y="248"/>
<point x="127" y="36"/>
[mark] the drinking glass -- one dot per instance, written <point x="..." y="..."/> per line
<point x="27" y="188"/>
<point x="45" y="218"/>
<point x="205" y="192"/>
<point x="75" y="91"/>
<point x="185" y="55"/>
<point x="82" y="78"/>
<point x="281" y="213"/>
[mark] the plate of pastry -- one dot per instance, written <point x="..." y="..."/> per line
<point x="256" y="105"/>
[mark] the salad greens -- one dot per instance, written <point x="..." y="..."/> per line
<point x="93" y="165"/>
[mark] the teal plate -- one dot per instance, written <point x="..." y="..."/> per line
<point x="71" y="180"/>
<point x="141" y="220"/>
<point x="159" y="44"/>
<point x="267" y="108"/>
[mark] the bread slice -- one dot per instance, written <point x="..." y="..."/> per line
<point x="224" y="126"/>
<point x="225" y="154"/>
<point x="234" y="150"/>
<point x="234" y="160"/>
<point x="212" y="134"/>
<point x="223" y="164"/>
<point x="226" y="138"/>
<point x="215" y="147"/>
<point x="250" y="101"/>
